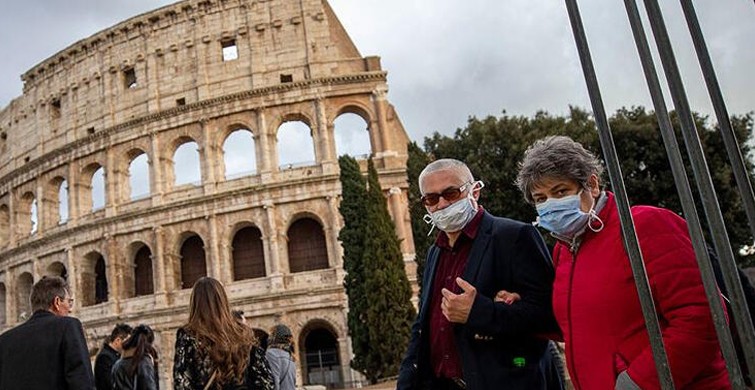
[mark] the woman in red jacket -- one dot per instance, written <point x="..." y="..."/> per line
<point x="594" y="295"/>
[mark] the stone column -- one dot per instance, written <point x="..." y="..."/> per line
<point x="41" y="209"/>
<point x="208" y="158"/>
<point x="74" y="279"/>
<point x="114" y="273"/>
<point x="73" y="195"/>
<point x="398" y="212"/>
<point x="156" y="164"/>
<point x="333" y="228"/>
<point x="379" y="100"/>
<point x="215" y="270"/>
<point x="266" y="147"/>
<point x="111" y="185"/>
<point x="160" y="265"/>
<point x="273" y="265"/>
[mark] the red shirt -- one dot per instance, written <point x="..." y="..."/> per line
<point x="444" y="356"/>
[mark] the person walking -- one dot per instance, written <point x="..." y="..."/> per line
<point x="137" y="369"/>
<point x="108" y="355"/>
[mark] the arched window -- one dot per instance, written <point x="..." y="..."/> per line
<point x="193" y="265"/>
<point x="27" y="215"/>
<point x="98" y="189"/>
<point x="239" y="155"/>
<point x="248" y="255"/>
<point x="295" y="145"/>
<point x="143" y="281"/>
<point x="100" y="281"/>
<point x="3" y="320"/>
<point x="34" y="217"/>
<point x="186" y="166"/>
<point x="25" y="281"/>
<point x="307" y="249"/>
<point x="352" y="136"/>
<point x="63" y="202"/>
<point x="138" y="176"/>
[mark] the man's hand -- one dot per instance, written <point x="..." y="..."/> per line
<point x="507" y="297"/>
<point x="456" y="307"/>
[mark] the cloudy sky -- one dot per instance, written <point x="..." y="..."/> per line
<point x="448" y="60"/>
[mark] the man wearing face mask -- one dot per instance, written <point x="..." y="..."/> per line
<point x="462" y="338"/>
<point x="594" y="295"/>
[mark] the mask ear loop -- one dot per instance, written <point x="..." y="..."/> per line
<point x="593" y="217"/>
<point x="429" y="220"/>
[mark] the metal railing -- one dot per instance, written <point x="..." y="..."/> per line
<point x="701" y="173"/>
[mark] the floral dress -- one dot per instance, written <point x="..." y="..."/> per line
<point x="192" y="369"/>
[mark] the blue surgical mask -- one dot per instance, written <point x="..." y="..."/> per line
<point x="454" y="217"/>
<point x="564" y="216"/>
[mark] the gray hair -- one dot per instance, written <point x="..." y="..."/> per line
<point x="556" y="157"/>
<point x="43" y="293"/>
<point x="462" y="170"/>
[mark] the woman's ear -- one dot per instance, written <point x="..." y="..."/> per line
<point x="593" y="183"/>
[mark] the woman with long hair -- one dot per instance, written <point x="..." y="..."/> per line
<point x="137" y="367"/>
<point x="213" y="350"/>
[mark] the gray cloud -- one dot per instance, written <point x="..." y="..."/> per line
<point x="448" y="60"/>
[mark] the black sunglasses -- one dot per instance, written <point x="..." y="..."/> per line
<point x="450" y="194"/>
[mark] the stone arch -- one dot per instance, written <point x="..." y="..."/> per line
<point x="193" y="259"/>
<point x="23" y="304"/>
<point x="26" y="215"/>
<point x="351" y="133"/>
<point x="4" y="225"/>
<point x="3" y="305"/>
<point x="93" y="195"/>
<point x="94" y="283"/>
<point x="143" y="275"/>
<point x="138" y="182"/>
<point x="307" y="245"/>
<point x="55" y="202"/>
<point x="295" y="142"/>
<point x="57" y="269"/>
<point x="239" y="153"/>
<point x="247" y="253"/>
<point x="186" y="155"/>
<point x="319" y="353"/>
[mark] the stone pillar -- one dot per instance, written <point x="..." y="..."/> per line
<point x="274" y="266"/>
<point x="74" y="279"/>
<point x="398" y="212"/>
<point x="214" y="254"/>
<point x="379" y="100"/>
<point x="111" y="187"/>
<point x="208" y="158"/>
<point x="13" y="219"/>
<point x="11" y="290"/>
<point x="114" y="273"/>
<point x="73" y="195"/>
<point x="160" y="264"/>
<point x="333" y="228"/>
<point x="266" y="148"/>
<point x="41" y="212"/>
<point x="156" y="164"/>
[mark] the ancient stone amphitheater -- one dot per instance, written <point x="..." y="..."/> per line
<point x="115" y="172"/>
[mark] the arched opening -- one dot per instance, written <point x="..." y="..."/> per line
<point x="262" y="337"/>
<point x="193" y="265"/>
<point x="138" y="176"/>
<point x="3" y="320"/>
<point x="186" y="165"/>
<point x="94" y="284"/>
<point x="100" y="281"/>
<point x="57" y="269"/>
<point x="98" y="189"/>
<point x="248" y="255"/>
<point x="63" y="202"/>
<point x="25" y="281"/>
<point x="27" y="215"/>
<point x="34" y="217"/>
<point x="295" y="145"/>
<point x="352" y="135"/>
<point x="239" y="155"/>
<point x="4" y="225"/>
<point x="307" y="249"/>
<point x="321" y="362"/>
<point x="143" y="280"/>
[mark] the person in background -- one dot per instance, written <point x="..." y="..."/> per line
<point x="280" y="357"/>
<point x="137" y="369"/>
<point x="213" y="349"/>
<point x="108" y="355"/>
<point x="462" y="339"/>
<point x="239" y="316"/>
<point x="48" y="351"/>
<point x="594" y="295"/>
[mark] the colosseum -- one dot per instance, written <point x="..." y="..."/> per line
<point x="198" y="139"/>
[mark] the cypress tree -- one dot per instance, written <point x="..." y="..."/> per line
<point x="389" y="314"/>
<point x="417" y="161"/>
<point x="353" y="209"/>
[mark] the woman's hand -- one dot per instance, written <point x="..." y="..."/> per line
<point x="507" y="297"/>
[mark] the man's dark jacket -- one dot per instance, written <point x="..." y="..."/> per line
<point x="506" y="255"/>
<point x="47" y="352"/>
<point x="103" y="365"/>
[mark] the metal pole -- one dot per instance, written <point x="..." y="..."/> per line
<point x="747" y="333"/>
<point x="627" y="225"/>
<point x="702" y="175"/>
<point x="685" y="195"/>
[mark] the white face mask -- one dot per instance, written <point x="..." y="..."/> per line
<point x="454" y="217"/>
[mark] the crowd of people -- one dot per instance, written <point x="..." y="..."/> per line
<point x="214" y="350"/>
<point x="493" y="302"/>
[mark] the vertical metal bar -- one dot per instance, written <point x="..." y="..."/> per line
<point x="685" y="195"/>
<point x="627" y="225"/>
<point x="747" y="333"/>
<point x="702" y="173"/>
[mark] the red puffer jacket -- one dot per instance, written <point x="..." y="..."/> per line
<point x="598" y="308"/>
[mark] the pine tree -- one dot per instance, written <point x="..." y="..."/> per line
<point x="389" y="313"/>
<point x="353" y="209"/>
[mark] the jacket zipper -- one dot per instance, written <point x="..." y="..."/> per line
<point x="573" y="249"/>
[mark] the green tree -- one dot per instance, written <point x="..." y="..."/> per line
<point x="417" y="161"/>
<point x="353" y="209"/>
<point x="379" y="294"/>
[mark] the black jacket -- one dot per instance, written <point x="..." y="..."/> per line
<point x="47" y="352"/>
<point x="506" y="255"/>
<point x="145" y="376"/>
<point x="103" y="365"/>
